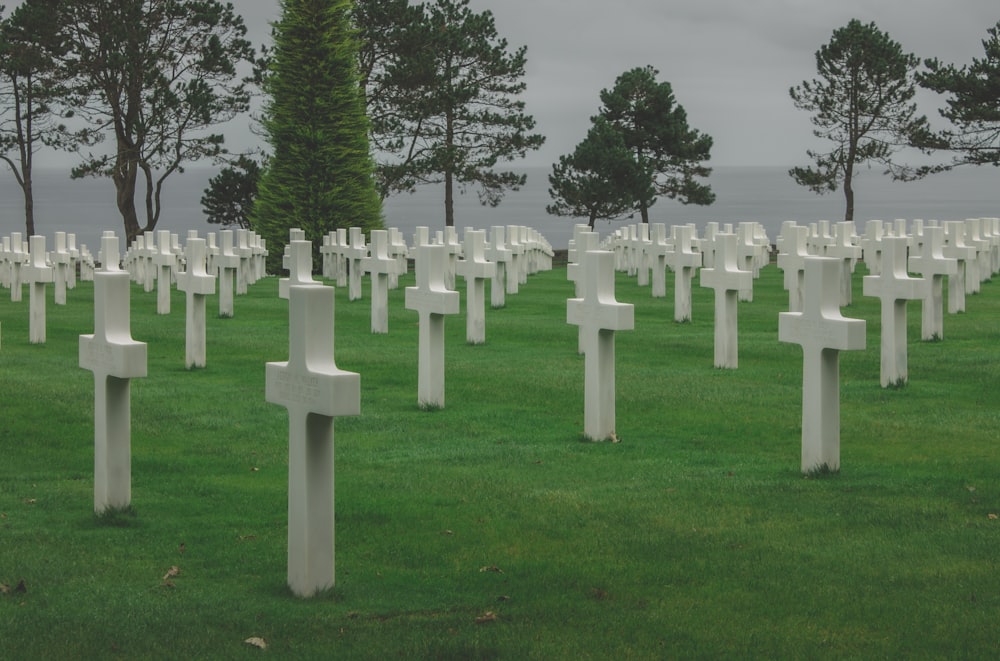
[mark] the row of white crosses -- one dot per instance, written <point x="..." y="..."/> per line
<point x="65" y="259"/>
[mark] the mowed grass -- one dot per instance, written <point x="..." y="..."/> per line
<point x="490" y="528"/>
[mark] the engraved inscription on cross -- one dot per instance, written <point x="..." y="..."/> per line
<point x="114" y="358"/>
<point x="823" y="333"/>
<point x="599" y="315"/>
<point x="314" y="390"/>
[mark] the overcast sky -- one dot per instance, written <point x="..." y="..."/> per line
<point x="730" y="62"/>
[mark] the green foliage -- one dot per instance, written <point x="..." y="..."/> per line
<point x="861" y="103"/>
<point x="655" y="130"/>
<point x="600" y="179"/>
<point x="229" y="198"/>
<point x="973" y="106"/>
<point x="30" y="86"/>
<point x="446" y="106"/>
<point x="155" y="76"/>
<point x="319" y="176"/>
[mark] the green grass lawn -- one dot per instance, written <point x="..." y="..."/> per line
<point x="490" y="529"/>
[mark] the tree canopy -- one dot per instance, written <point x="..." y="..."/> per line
<point x="452" y="86"/>
<point x="972" y="106"/>
<point x="320" y="173"/>
<point x="862" y="104"/>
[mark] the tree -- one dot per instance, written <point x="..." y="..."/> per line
<point x="600" y="179"/>
<point x="862" y="104"/>
<point x="156" y="75"/>
<point x="319" y="176"/>
<point x="655" y="130"/>
<point x="456" y="108"/>
<point x="230" y="195"/>
<point x="29" y="89"/>
<point x="973" y="107"/>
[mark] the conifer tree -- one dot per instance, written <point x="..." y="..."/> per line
<point x="319" y="176"/>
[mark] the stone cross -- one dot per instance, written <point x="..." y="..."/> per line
<point x="515" y="263"/>
<point x="61" y="262"/>
<point x="599" y="315"/>
<point x="18" y="260"/>
<point x="197" y="284"/>
<point x="684" y="261"/>
<point x="933" y="265"/>
<point x="300" y="263"/>
<point x="501" y="255"/>
<point x="894" y="287"/>
<point x="74" y="257"/>
<point x="228" y="263"/>
<point x="977" y="270"/>
<point x="454" y="248"/>
<point x="37" y="274"/>
<point x="746" y="255"/>
<point x="955" y="248"/>
<point x="432" y="300"/>
<point x="476" y="270"/>
<point x="165" y="261"/>
<point x="823" y="333"/>
<point x="114" y="358"/>
<point x="328" y="251"/>
<point x="245" y="253"/>
<point x="791" y="260"/>
<point x="585" y="242"/>
<point x="871" y="246"/>
<point x="355" y="252"/>
<point x="341" y="265"/>
<point x="146" y="254"/>
<point x="843" y="248"/>
<point x="399" y="252"/>
<point x="657" y="252"/>
<point x="314" y="390"/>
<point x="379" y="265"/>
<point x="727" y="281"/>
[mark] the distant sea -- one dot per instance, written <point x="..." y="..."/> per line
<point x="764" y="194"/>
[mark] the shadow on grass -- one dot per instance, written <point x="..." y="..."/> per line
<point x="117" y="517"/>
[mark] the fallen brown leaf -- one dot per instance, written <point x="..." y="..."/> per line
<point x="173" y="571"/>
<point x="254" y="469"/>
<point x="30" y="501"/>
<point x="488" y="616"/>
<point x="492" y="568"/>
<point x="447" y="532"/>
<point x="181" y="548"/>
<point x="4" y="588"/>
<point x="256" y="641"/>
<point x="992" y="517"/>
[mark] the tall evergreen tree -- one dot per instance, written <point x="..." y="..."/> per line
<point x="973" y="105"/>
<point x="655" y="129"/>
<point x="319" y="176"/>
<point x="459" y="115"/>
<point x="862" y="103"/>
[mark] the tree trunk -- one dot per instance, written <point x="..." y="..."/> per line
<point x="849" y="193"/>
<point x="124" y="176"/>
<point x="29" y="205"/>
<point x="449" y="199"/>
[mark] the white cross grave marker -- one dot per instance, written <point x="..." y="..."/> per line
<point x="432" y="300"/>
<point x="61" y="263"/>
<point x="823" y="333"/>
<point x="585" y="242"/>
<point x="476" y="270"/>
<point x="165" y="261"/>
<point x="955" y="248"/>
<point x="894" y="287"/>
<point x="657" y="252"/>
<point x="501" y="255"/>
<point x="599" y="315"/>
<point x="379" y="265"/>
<point x="300" y="262"/>
<point x="314" y="390"/>
<point x="114" y="358"/>
<point x="197" y="284"/>
<point x="793" y="250"/>
<point x="684" y="261"/>
<point x="933" y="265"/>
<point x="355" y="253"/>
<point x="228" y="263"/>
<point x="37" y="274"/>
<point x="18" y="260"/>
<point x="727" y="281"/>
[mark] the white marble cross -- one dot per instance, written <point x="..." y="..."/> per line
<point x="585" y="242"/>
<point x="431" y="300"/>
<point x="196" y="283"/>
<point x="746" y="255"/>
<point x="843" y="248"/>
<point x="228" y="263"/>
<point x="18" y="260"/>
<point x="727" y="281"/>
<point x="792" y="251"/>
<point x="61" y="264"/>
<point x="245" y="253"/>
<point x="146" y="254"/>
<point x="114" y="358"/>
<point x="315" y="391"/>
<point x="379" y="265"/>
<point x="955" y="248"/>
<point x="37" y="274"/>
<point x="894" y="287"/>
<point x="300" y="263"/>
<point x="599" y="315"/>
<point x="476" y="270"/>
<point x="355" y="252"/>
<point x="515" y="263"/>
<point x="165" y="261"/>
<point x="684" y="262"/>
<point x="657" y="252"/>
<point x="501" y="255"/>
<point x="933" y="265"/>
<point x="399" y="252"/>
<point x="823" y="333"/>
<point x="871" y="246"/>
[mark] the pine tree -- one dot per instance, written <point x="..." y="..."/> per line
<point x="319" y="176"/>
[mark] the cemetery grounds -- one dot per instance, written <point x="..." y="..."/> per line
<point x="489" y="528"/>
